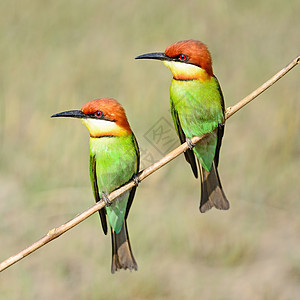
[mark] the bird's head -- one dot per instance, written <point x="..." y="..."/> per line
<point x="187" y="60"/>
<point x="102" y="117"/>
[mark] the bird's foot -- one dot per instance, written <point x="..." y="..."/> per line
<point x="190" y="144"/>
<point x="136" y="179"/>
<point x="221" y="126"/>
<point x="105" y="199"/>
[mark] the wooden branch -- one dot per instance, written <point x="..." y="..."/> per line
<point x="56" y="232"/>
<point x="232" y="110"/>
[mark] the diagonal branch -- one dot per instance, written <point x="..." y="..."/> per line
<point x="232" y="110"/>
<point x="56" y="232"/>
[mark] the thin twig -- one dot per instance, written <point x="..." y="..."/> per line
<point x="56" y="232"/>
<point x="232" y="110"/>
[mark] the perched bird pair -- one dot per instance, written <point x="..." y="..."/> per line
<point x="197" y="108"/>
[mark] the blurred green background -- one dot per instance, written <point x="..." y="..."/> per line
<point x="57" y="55"/>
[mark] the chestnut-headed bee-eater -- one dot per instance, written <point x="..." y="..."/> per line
<point x="114" y="160"/>
<point x="197" y="108"/>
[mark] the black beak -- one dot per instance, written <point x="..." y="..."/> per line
<point x="70" y="114"/>
<point x="156" y="55"/>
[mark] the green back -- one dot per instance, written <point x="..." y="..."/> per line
<point x="116" y="162"/>
<point x="200" y="109"/>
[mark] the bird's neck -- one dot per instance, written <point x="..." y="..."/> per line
<point x="184" y="71"/>
<point x="101" y="128"/>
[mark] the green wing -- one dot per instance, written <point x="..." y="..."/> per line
<point x="189" y="154"/>
<point x="220" y="131"/>
<point x="93" y="175"/>
<point x="132" y="192"/>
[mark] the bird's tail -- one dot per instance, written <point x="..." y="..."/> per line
<point x="122" y="257"/>
<point x="212" y="194"/>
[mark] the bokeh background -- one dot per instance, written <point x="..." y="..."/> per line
<point x="57" y="55"/>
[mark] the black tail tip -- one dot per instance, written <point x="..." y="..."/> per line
<point x="131" y="267"/>
<point x="221" y="204"/>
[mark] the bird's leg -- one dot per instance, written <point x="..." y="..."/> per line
<point x="190" y="144"/>
<point x="105" y="199"/>
<point x="136" y="179"/>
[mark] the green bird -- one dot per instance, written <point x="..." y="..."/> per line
<point x="114" y="160"/>
<point x="197" y="108"/>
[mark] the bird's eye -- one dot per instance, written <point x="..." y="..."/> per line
<point x="98" y="114"/>
<point x="182" y="57"/>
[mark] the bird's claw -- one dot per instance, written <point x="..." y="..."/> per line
<point x="221" y="125"/>
<point x="190" y="144"/>
<point x="136" y="180"/>
<point x="105" y="199"/>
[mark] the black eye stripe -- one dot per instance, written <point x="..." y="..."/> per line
<point x="98" y="114"/>
<point x="182" y="58"/>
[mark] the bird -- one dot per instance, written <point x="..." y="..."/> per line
<point x="197" y="108"/>
<point x="113" y="161"/>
